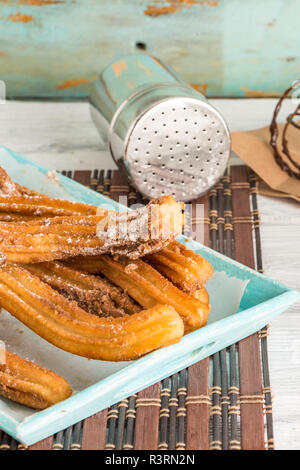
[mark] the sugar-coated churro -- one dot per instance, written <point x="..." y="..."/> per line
<point x="131" y="234"/>
<point x="185" y="268"/>
<point x="148" y="287"/>
<point x="92" y="294"/>
<point x="67" y="326"/>
<point x="188" y="270"/>
<point x="41" y="206"/>
<point x="30" y="384"/>
<point x="20" y="203"/>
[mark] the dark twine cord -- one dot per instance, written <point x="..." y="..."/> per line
<point x="284" y="142"/>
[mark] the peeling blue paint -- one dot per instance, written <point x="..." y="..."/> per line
<point x="233" y="47"/>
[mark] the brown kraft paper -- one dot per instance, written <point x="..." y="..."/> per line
<point x="254" y="148"/>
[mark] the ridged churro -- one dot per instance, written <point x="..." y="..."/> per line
<point x="131" y="234"/>
<point x="67" y="326"/>
<point x="20" y="203"/>
<point x="41" y="206"/>
<point x="30" y="384"/>
<point x="148" y="287"/>
<point x="186" y="269"/>
<point x="92" y="294"/>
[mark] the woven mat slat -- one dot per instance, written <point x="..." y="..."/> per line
<point x="130" y="424"/>
<point x="45" y="444"/>
<point x="164" y="414"/>
<point x="173" y="406"/>
<point x="233" y="437"/>
<point x="123" y="406"/>
<point x="223" y="354"/>
<point x="94" y="431"/>
<point x="119" y="187"/>
<point x="197" y="434"/>
<point x="82" y="177"/>
<point x="7" y="442"/>
<point x="201" y="407"/>
<point x="252" y="417"/>
<point x="181" y="411"/>
<point x="217" y="418"/>
<point x="147" y="416"/>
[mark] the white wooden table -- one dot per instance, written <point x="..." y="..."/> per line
<point x="62" y="136"/>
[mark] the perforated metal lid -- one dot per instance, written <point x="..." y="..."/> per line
<point x="178" y="146"/>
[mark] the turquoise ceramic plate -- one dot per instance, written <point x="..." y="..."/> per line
<point x="243" y="301"/>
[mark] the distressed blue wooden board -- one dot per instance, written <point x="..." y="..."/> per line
<point x="54" y="48"/>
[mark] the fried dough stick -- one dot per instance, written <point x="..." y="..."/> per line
<point x="186" y="269"/>
<point x="67" y="326"/>
<point x="20" y="202"/>
<point x="92" y="294"/>
<point x="40" y="206"/>
<point x="30" y="384"/>
<point x="131" y="234"/>
<point x="147" y="286"/>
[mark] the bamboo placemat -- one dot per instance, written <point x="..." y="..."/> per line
<point x="222" y="402"/>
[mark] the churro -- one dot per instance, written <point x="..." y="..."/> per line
<point x="131" y="234"/>
<point x="92" y="294"/>
<point x="20" y="203"/>
<point x="67" y="326"/>
<point x="30" y="384"/>
<point x="148" y="287"/>
<point x="41" y="206"/>
<point x="186" y="269"/>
